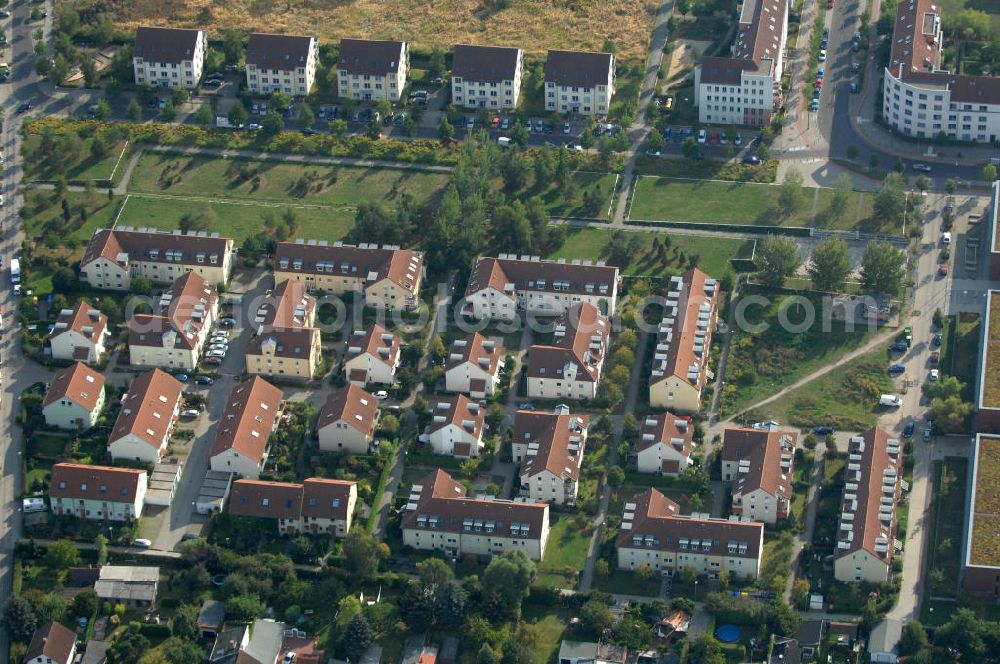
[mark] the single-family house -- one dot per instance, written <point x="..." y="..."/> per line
<point x="372" y="357"/>
<point x="456" y="426"/>
<point x="242" y="436"/>
<point x="473" y="366"/>
<point x="665" y="444"/>
<point x="51" y="644"/>
<point x="75" y="398"/>
<point x="347" y="421"/>
<point x="80" y="334"/>
<point x="148" y="413"/>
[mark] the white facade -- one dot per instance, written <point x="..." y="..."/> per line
<point x="573" y="385"/>
<point x="134" y="448"/>
<point x="385" y="81"/>
<point x="178" y="73"/>
<point x="460" y="379"/>
<point x="375" y="369"/>
<point x="477" y="89"/>
<point x="492" y="304"/>
<point x="581" y="94"/>
<point x="101" y="508"/>
<point x="65" y="342"/>
<point x="927" y="107"/>
<point x="443" y="440"/>
<point x="651" y="459"/>
<point x="70" y="415"/>
<point x="477" y="544"/>
<point x="749" y="101"/>
<point x="231" y="461"/>
<point x="340" y="436"/>
<point x="292" y="78"/>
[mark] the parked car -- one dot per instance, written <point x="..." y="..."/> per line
<point x="945" y="237"/>
<point x="822" y="56"/>
<point x="381" y="394"/>
<point x="527" y="405"/>
<point x="908" y="430"/>
<point x="219" y="354"/>
<point x="923" y="168"/>
<point x="190" y="412"/>
<point x="566" y="128"/>
<point x="899" y="347"/>
<point x="936" y="341"/>
<point x="702" y="136"/>
<point x="182" y="377"/>
<point x="203" y="380"/>
<point x="227" y="322"/>
<point x="141" y="543"/>
<point x="505" y="123"/>
<point x="822" y="430"/>
<point x="738" y="139"/>
<point x="934" y="375"/>
<point x="896" y="369"/>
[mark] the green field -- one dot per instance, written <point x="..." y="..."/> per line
<point x="565" y="554"/>
<point x="713" y="253"/>
<point x="845" y="399"/>
<point x="738" y="203"/>
<point x="45" y="166"/>
<point x="276" y="181"/>
<point x="233" y="218"/>
<point x="556" y="205"/>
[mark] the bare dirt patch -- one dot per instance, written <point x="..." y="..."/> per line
<point x="534" y="25"/>
<point x="685" y="55"/>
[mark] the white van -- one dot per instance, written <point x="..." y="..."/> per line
<point x="890" y="400"/>
<point x="503" y="142"/>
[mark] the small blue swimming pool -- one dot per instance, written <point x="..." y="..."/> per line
<point x="727" y="633"/>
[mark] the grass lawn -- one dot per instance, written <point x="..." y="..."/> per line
<point x="714" y="253"/>
<point x="565" y="553"/>
<point x="557" y="206"/>
<point x="627" y="583"/>
<point x="776" y="563"/>
<point x="236" y="219"/>
<point x="549" y="625"/>
<point x="947" y="519"/>
<point x="845" y="399"/>
<point x="762" y="363"/>
<point x="44" y="167"/>
<point x="738" y="203"/>
<point x="276" y="181"/>
<point x="960" y="350"/>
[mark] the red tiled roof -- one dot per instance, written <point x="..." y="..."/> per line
<point x="763" y="450"/>
<point x="666" y="428"/>
<point x="78" y="383"/>
<point x="963" y="89"/>
<point x="459" y="410"/>
<point x="370" y="263"/>
<point x="73" y="481"/>
<point x="352" y="405"/>
<point x="148" y="407"/>
<point x="476" y="348"/>
<point x="120" y="246"/>
<point x="915" y="47"/>
<point x="293" y="343"/>
<point x="551" y="432"/>
<point x="251" y="414"/>
<point x="760" y="31"/>
<point x="542" y="275"/>
<point x="726" y="71"/>
<point x="184" y="311"/>
<point x="584" y="327"/>
<point x="694" y="301"/>
<point x="51" y="641"/>
<point x="289" y="306"/>
<point x="315" y="497"/>
<point x="82" y="319"/>
<point x="377" y="342"/>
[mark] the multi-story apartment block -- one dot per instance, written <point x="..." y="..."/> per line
<point x="115" y="256"/>
<point x="745" y="88"/>
<point x="79" y="334"/>
<point x="372" y="70"/>
<point x="980" y="558"/>
<point x="501" y="288"/>
<point x="347" y="421"/>
<point x="759" y="464"/>
<point x="456" y="426"/>
<point x="169" y="57"/>
<point x="281" y="63"/>
<point x="473" y="366"/>
<point x="97" y="493"/>
<point x="684" y="342"/>
<point x="665" y="444"/>
<point x="655" y="534"/>
<point x="75" y="398"/>
<point x="866" y="536"/>
<point x="148" y="413"/>
<point x="570" y="367"/>
<point x="285" y="343"/>
<point x="388" y="277"/>
<point x="549" y="447"/>
<point x="439" y="516"/>
<point x="580" y="82"/>
<point x="175" y="335"/>
<point x="486" y="76"/>
<point x="372" y="357"/>
<point x="242" y="437"/>
<point x="317" y="506"/>
<point x="921" y="99"/>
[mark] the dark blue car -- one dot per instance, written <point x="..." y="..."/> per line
<point x="908" y="430"/>
<point x="937" y="340"/>
<point x="898" y="347"/>
<point x="822" y="431"/>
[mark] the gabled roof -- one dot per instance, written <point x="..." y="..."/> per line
<point x="760" y="452"/>
<point x="83" y="319"/>
<point x="915" y="32"/>
<point x="281" y="52"/>
<point x="377" y="342"/>
<point x="183" y="311"/>
<point x="77" y="383"/>
<point x="290" y="306"/>
<point x="148" y="407"/>
<point x="459" y="410"/>
<point x="581" y="339"/>
<point x="123" y="246"/>
<point x="251" y="414"/>
<point x="171" y="45"/>
<point x="508" y="274"/>
<point x="477" y="349"/>
<point x="666" y="428"/>
<point x="52" y="641"/>
<point x="726" y="71"/>
<point x="293" y="343"/>
<point x="78" y="481"/>
<point x="760" y="30"/>
<point x="370" y="56"/>
<point x="352" y="405"/>
<point x="658" y="521"/>
<point x="370" y="263"/>
<point x="488" y="64"/>
<point x="584" y="69"/>
<point x="437" y="502"/>
<point x="555" y="441"/>
<point x="683" y="342"/>
<point x="264" y="646"/>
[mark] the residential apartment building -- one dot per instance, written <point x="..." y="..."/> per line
<point x="866" y="536"/>
<point x="665" y="444"/>
<point x="317" y="506"/>
<point x="456" y="426"/>
<point x="921" y="99"/>
<point x="51" y="644"/>
<point x="75" y="398"/>
<point x="80" y="334"/>
<point x="286" y="343"/>
<point x="758" y="463"/>
<point x="169" y="57"/>
<point x="281" y="63"/>
<point x="501" y="288"/>
<point x="115" y="256"/>
<point x="570" y="367"/>
<point x="372" y="357"/>
<point x="745" y="88"/>
<point x="579" y="82"/>
<point x="439" y="516"/>
<point x="980" y="559"/>
<point x="175" y="335"/>
<point x="988" y="375"/>
<point x="97" y="493"/>
<point x="655" y="534"/>
<point x="347" y="421"/>
<point x="549" y="448"/>
<point x="242" y="436"/>
<point x="992" y="218"/>
<point x="148" y="413"/>
<point x="372" y="70"/>
<point x="387" y="276"/>
<point x="473" y="366"/>
<point x="684" y="342"/>
<point x="486" y="76"/>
